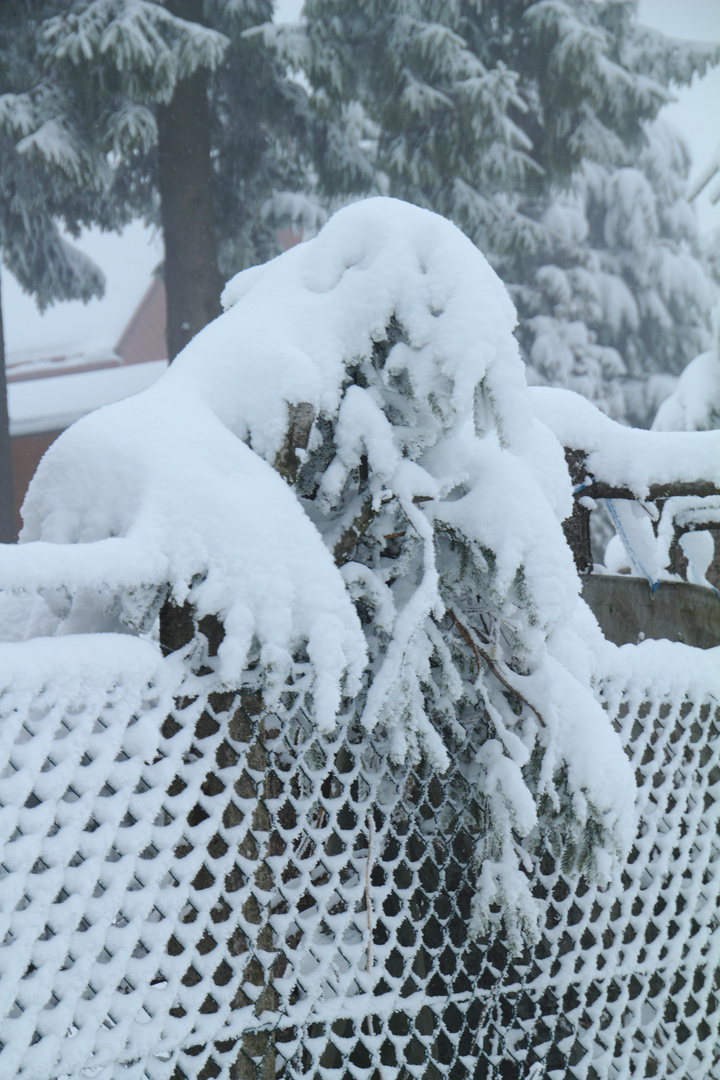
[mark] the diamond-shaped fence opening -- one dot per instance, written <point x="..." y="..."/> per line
<point x="193" y="887"/>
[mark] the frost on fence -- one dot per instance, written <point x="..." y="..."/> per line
<point x="304" y="714"/>
<point x="222" y="892"/>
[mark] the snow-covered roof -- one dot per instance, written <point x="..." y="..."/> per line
<point x="52" y="404"/>
<point x="65" y="362"/>
<point x="127" y="260"/>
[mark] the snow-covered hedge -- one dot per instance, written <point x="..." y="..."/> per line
<point x="346" y="468"/>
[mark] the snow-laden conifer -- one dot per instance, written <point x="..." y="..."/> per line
<point x="130" y="56"/>
<point x="622" y="303"/>
<point x="529" y="125"/>
<point x="346" y="469"/>
<point x="45" y="159"/>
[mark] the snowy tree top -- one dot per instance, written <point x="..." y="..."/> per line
<point x="373" y="260"/>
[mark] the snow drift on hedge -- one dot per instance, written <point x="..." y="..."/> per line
<point x="394" y="335"/>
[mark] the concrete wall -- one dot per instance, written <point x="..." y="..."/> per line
<point x="628" y="611"/>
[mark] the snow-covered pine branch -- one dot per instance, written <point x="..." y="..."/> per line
<point x="147" y="46"/>
<point x="53" y="169"/>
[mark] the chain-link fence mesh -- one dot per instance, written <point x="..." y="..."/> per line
<point x="195" y="888"/>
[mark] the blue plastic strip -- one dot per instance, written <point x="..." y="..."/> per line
<point x="628" y="546"/>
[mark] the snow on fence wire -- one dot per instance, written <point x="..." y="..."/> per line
<point x="657" y="490"/>
<point x="196" y="888"/>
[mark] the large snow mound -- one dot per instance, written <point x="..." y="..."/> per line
<point x="393" y="335"/>
<point x="197" y="508"/>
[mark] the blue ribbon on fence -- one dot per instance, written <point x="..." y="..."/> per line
<point x="628" y="546"/>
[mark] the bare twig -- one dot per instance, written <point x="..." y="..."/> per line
<point x="300" y="421"/>
<point x="467" y="637"/>
<point x="360" y="524"/>
<point x="357" y="527"/>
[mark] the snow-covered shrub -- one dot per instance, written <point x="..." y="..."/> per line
<point x="346" y="469"/>
<point x="694" y="405"/>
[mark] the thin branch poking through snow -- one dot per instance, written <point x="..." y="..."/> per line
<point x="347" y="542"/>
<point x="482" y="654"/>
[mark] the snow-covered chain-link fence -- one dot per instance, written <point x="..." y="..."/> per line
<point x="195" y="888"/>
<point x="308" y="735"/>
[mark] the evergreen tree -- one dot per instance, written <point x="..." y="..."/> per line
<point x="50" y="173"/>
<point x="141" y="70"/>
<point x="624" y="298"/>
<point x="527" y="123"/>
<point x="263" y="142"/>
<point x="203" y="126"/>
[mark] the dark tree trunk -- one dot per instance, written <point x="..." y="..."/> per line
<point x="192" y="278"/>
<point x="7" y="518"/>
